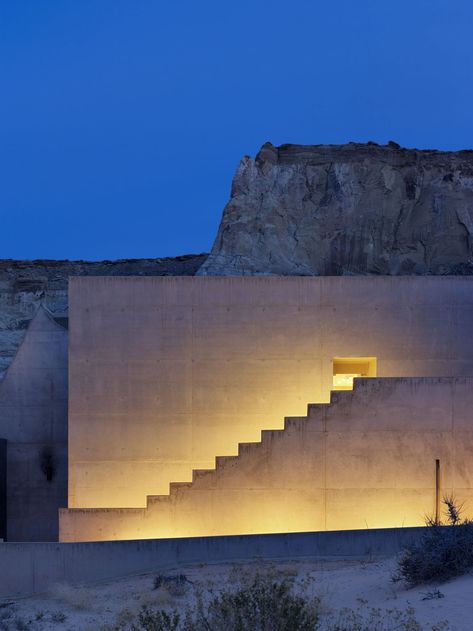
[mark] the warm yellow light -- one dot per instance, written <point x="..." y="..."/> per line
<point x="344" y="381"/>
<point x="345" y="369"/>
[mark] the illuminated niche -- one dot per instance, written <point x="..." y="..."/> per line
<point x="345" y="369"/>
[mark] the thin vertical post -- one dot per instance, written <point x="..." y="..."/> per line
<point x="437" y="491"/>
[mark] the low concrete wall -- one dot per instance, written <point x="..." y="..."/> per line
<point x="29" y="568"/>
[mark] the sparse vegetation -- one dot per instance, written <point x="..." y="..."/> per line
<point x="157" y="620"/>
<point x="443" y="552"/>
<point x="374" y="619"/>
<point x="257" y="596"/>
<point x="261" y="605"/>
<point x="58" y="616"/>
<point x="124" y="618"/>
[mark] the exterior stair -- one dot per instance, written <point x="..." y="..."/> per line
<point x="353" y="463"/>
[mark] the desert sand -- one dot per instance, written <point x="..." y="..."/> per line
<point x="366" y="588"/>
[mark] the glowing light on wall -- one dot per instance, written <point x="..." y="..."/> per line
<point x="345" y="369"/>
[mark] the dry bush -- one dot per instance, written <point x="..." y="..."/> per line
<point x="443" y="552"/>
<point x="157" y="621"/>
<point x="58" y="616"/>
<point x="124" y="618"/>
<point x="258" y="605"/>
<point x="375" y="619"/>
<point x="262" y="605"/>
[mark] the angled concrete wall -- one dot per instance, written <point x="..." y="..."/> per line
<point x="33" y="420"/>
<point x="167" y="373"/>
<point x="367" y="460"/>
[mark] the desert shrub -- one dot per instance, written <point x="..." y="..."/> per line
<point x="157" y="620"/>
<point x="262" y="605"/>
<point x="58" y="616"/>
<point x="124" y="618"/>
<point x="443" y="551"/>
<point x="375" y="619"/>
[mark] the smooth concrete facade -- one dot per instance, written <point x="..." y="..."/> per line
<point x="33" y="421"/>
<point x="33" y="568"/>
<point x="367" y="460"/>
<point x="168" y="373"/>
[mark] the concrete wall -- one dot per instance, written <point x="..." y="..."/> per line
<point x="33" y="419"/>
<point x="367" y="460"/>
<point x="167" y="373"/>
<point x="29" y="568"/>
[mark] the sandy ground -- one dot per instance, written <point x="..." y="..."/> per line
<point x="338" y="585"/>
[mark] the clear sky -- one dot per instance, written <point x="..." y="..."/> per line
<point x="123" y="121"/>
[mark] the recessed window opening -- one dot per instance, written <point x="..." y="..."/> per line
<point x="345" y="369"/>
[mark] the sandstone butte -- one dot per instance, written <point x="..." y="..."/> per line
<point x="347" y="209"/>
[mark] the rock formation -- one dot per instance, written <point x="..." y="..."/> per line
<point x="24" y="285"/>
<point x="296" y="209"/>
<point x="347" y="209"/>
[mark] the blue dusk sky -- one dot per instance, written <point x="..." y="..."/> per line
<point x="122" y="121"/>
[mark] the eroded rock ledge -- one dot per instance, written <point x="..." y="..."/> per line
<point x="24" y="285"/>
<point x="347" y="209"/>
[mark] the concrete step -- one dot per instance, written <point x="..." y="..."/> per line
<point x="156" y="499"/>
<point x="337" y="396"/>
<point x="221" y="461"/>
<point x="178" y="487"/>
<point x="248" y="448"/>
<point x="267" y="435"/>
<point x="314" y="410"/>
<point x="294" y="421"/>
<point x="200" y="474"/>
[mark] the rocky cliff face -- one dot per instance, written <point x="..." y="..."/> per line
<point x="24" y="285"/>
<point x="348" y="209"/>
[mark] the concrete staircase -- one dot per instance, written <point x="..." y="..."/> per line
<point x="367" y="459"/>
<point x="248" y="453"/>
<point x="171" y="515"/>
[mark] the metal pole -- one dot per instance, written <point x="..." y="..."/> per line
<point x="437" y="491"/>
